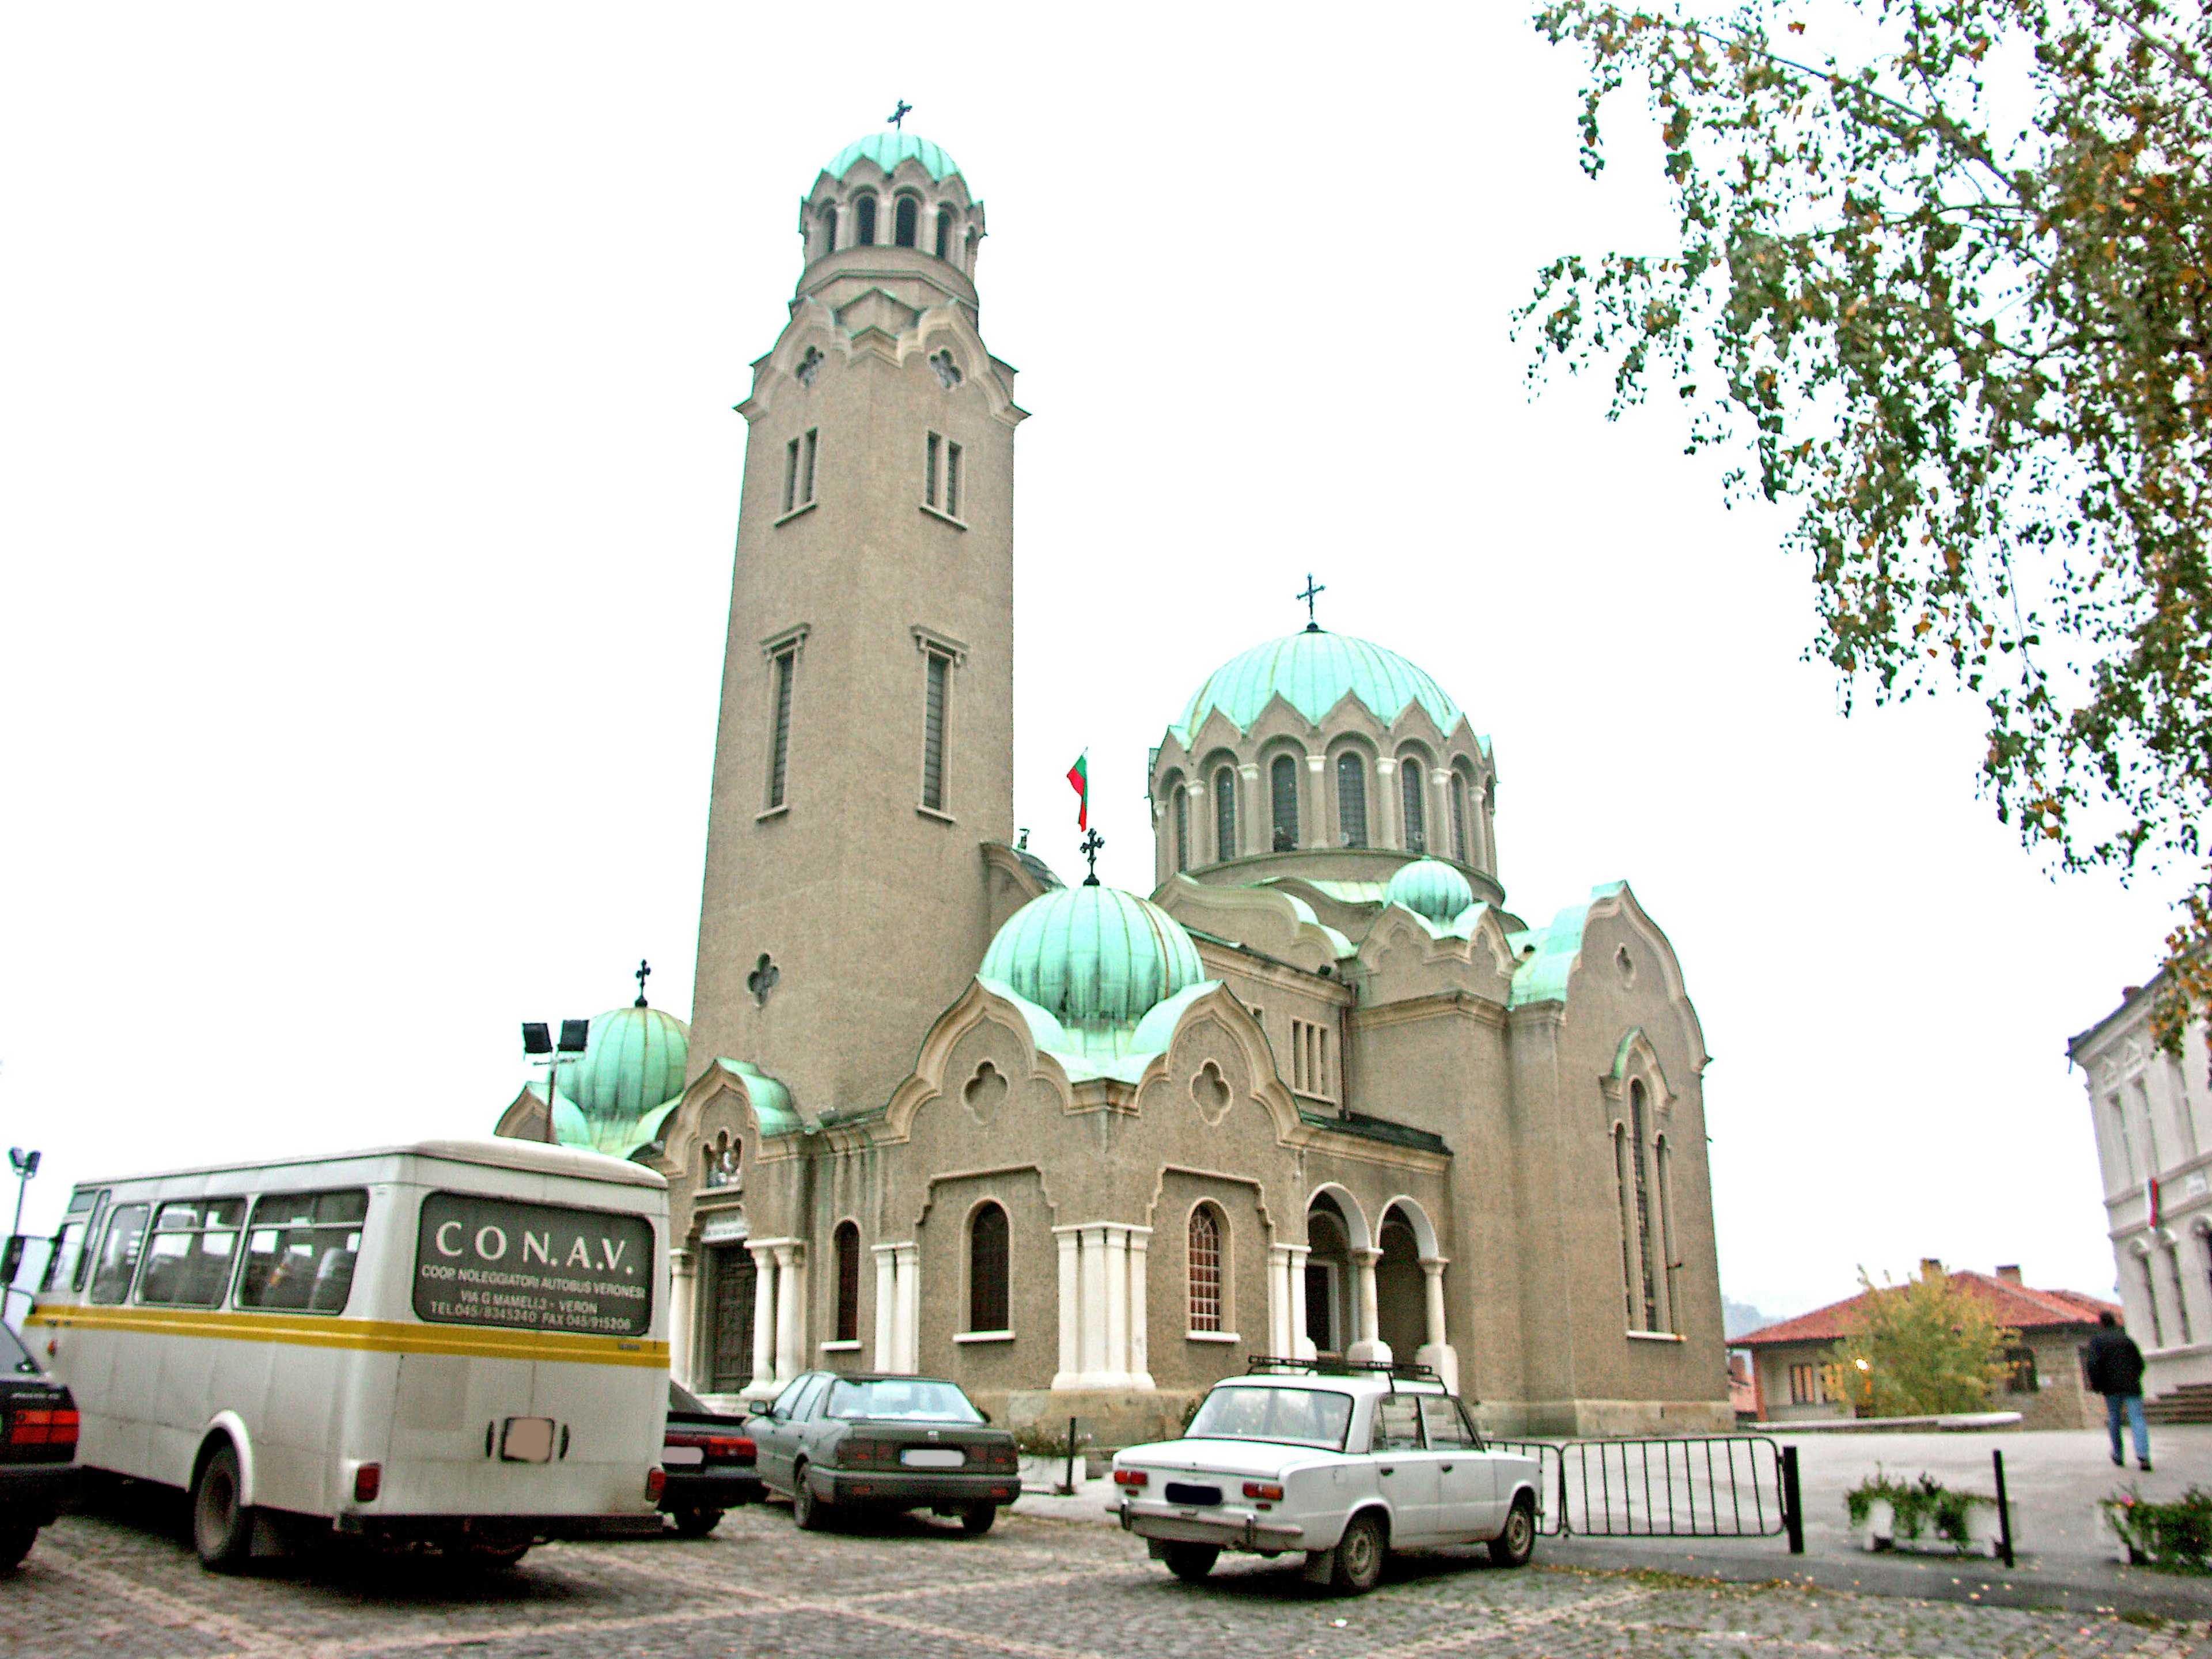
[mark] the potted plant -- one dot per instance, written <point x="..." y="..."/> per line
<point x="2144" y="1533"/>
<point x="1921" y="1516"/>
<point x="1044" y="1456"/>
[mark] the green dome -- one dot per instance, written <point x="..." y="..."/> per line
<point x="887" y="150"/>
<point x="1093" y="956"/>
<point x="1430" y="887"/>
<point x="632" y="1065"/>
<point x="1313" y="670"/>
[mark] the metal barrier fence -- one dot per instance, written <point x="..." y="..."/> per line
<point x="1716" y="1486"/>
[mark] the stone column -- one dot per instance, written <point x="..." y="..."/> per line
<point x="1313" y="830"/>
<point x="1256" y="829"/>
<point x="764" y="1318"/>
<point x="1436" y="1351"/>
<point x="1070" y="1307"/>
<point x="1302" y="1344"/>
<point x="1117" y="1307"/>
<point x="683" y="1301"/>
<point x="790" y="1314"/>
<point x="1440" y="832"/>
<point x="1136" y="1359"/>
<point x="1278" y="1301"/>
<point x="884" y="1355"/>
<point x="1389" y="830"/>
<point x="1368" y="1344"/>
<point x="907" y="1345"/>
<point x="1093" y="1274"/>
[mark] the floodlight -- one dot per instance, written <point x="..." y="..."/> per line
<point x="575" y="1036"/>
<point x="535" y="1038"/>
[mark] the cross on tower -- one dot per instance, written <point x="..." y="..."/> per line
<point x="1309" y="596"/>
<point x="1089" y="846"/>
<point x="899" y="115"/>
<point x="644" y="970"/>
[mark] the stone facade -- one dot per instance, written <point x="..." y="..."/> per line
<point x="1320" y="1093"/>
<point x="2152" y="1114"/>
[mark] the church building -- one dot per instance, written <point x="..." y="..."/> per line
<point x="1085" y="1151"/>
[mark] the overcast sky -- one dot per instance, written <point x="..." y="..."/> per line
<point x="370" y="477"/>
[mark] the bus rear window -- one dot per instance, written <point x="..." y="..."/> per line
<point x="483" y="1261"/>
<point x="300" y="1248"/>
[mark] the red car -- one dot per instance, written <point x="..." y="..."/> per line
<point x="711" y="1464"/>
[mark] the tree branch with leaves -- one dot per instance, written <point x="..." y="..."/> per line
<point x="1972" y="353"/>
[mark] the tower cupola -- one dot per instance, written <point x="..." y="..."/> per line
<point x="892" y="204"/>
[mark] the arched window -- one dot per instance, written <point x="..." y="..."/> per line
<point x="1283" y="781"/>
<point x="1181" y="828"/>
<point x="1412" y="786"/>
<point x="968" y="264"/>
<point x="1663" y="1159"/>
<point x="847" y="1240"/>
<point x="1646" y="1280"/>
<point x="1205" y="1269"/>
<point x="1351" y="799"/>
<point x="906" y="218"/>
<point x="1459" y="817"/>
<point x="1224" y="812"/>
<point x="945" y="232"/>
<point x="864" y="222"/>
<point x="987" y="1270"/>
<point x="829" y="230"/>
<point x="1627" y="1223"/>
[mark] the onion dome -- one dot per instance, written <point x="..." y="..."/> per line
<point x="1093" y="956"/>
<point x="1430" y="887"/>
<point x="632" y="1065"/>
<point x="1314" y="670"/>
<point x="887" y="150"/>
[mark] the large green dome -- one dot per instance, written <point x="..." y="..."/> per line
<point x="1313" y="670"/>
<point x="1093" y="956"/>
<point x="887" y="150"/>
<point x="632" y="1065"/>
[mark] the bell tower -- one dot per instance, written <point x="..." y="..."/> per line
<point x="866" y="748"/>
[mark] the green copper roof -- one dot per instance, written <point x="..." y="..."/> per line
<point x="1093" y="956"/>
<point x="887" y="150"/>
<point x="1430" y="887"/>
<point x="633" y="1063"/>
<point x="1313" y="670"/>
<point x="1543" y="976"/>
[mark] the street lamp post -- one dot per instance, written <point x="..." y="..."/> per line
<point x="24" y="1164"/>
<point x="538" y="1041"/>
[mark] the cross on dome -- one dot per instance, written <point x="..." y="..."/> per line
<point x="1310" y="593"/>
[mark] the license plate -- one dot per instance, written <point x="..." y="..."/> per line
<point x="527" y="1440"/>
<point x="933" y="1457"/>
<point x="681" y="1457"/>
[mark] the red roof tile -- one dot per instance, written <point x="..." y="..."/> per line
<point x="2016" y="1306"/>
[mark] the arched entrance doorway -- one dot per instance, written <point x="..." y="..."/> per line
<point x="1400" y="1298"/>
<point x="1329" y="1277"/>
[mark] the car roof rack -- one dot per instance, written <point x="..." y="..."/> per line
<point x="1262" y="1364"/>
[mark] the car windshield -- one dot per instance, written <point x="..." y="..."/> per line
<point x="1295" y="1416"/>
<point x="15" y="1358"/>
<point x="904" y="1400"/>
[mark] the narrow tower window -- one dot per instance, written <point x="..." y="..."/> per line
<point x="806" y="470"/>
<point x="1412" y="779"/>
<point x="1205" y="1269"/>
<point x="987" y="1270"/>
<point x="1620" y="1181"/>
<point x="864" y="222"/>
<point x="1351" y="799"/>
<point x="1459" y="817"/>
<point x="929" y="477"/>
<point x="1182" y="827"/>
<point x="1283" y="780"/>
<point x="791" y="475"/>
<point x="952" y="480"/>
<point x="904" y="219"/>
<point x="1224" y="812"/>
<point x="1644" y="1218"/>
<point x="779" y="749"/>
<point x="828" y="230"/>
<point x="944" y="233"/>
<point x="932" y="732"/>
<point x="848" y="1282"/>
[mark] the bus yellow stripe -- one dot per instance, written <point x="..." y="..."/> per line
<point x="375" y="1336"/>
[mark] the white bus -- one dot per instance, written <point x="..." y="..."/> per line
<point x="458" y="1343"/>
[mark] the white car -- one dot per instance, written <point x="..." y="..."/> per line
<point x="1342" y="1466"/>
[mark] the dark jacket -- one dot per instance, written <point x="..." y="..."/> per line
<point x="2116" y="1365"/>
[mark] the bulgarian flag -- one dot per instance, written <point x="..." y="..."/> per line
<point x="1078" y="778"/>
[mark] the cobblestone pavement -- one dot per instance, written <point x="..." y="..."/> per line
<point x="1037" y="1588"/>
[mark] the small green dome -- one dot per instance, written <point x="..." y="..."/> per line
<point x="1093" y="956"/>
<point x="632" y="1065"/>
<point x="887" y="150"/>
<point x="1313" y="670"/>
<point x="1430" y="887"/>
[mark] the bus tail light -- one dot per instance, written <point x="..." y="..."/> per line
<point x="1267" y="1489"/>
<point x="1132" y="1477"/>
<point x="367" y="1481"/>
<point x="655" y="1479"/>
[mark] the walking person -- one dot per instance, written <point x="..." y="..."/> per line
<point x="2115" y="1369"/>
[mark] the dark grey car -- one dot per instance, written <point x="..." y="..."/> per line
<point x="831" y="1442"/>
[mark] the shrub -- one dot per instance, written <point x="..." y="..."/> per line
<point x="2178" y="1534"/>
<point x="1916" y="1509"/>
<point x="1037" y="1440"/>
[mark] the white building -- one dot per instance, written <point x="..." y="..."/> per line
<point x="2152" y="1114"/>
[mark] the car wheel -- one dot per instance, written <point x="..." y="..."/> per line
<point x="1360" y="1554"/>
<point x="1513" y="1546"/>
<point x="977" y="1518"/>
<point x="16" y="1538"/>
<point x="222" y="1526"/>
<point x="697" y="1522"/>
<point x="808" y="1511"/>
<point x="1191" y="1562"/>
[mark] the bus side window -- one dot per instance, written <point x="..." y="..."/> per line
<point x="188" y="1263"/>
<point x="63" y="1261"/>
<point x="300" y="1250"/>
<point x="118" y="1253"/>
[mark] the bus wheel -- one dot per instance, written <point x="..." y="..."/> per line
<point x="223" y="1527"/>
